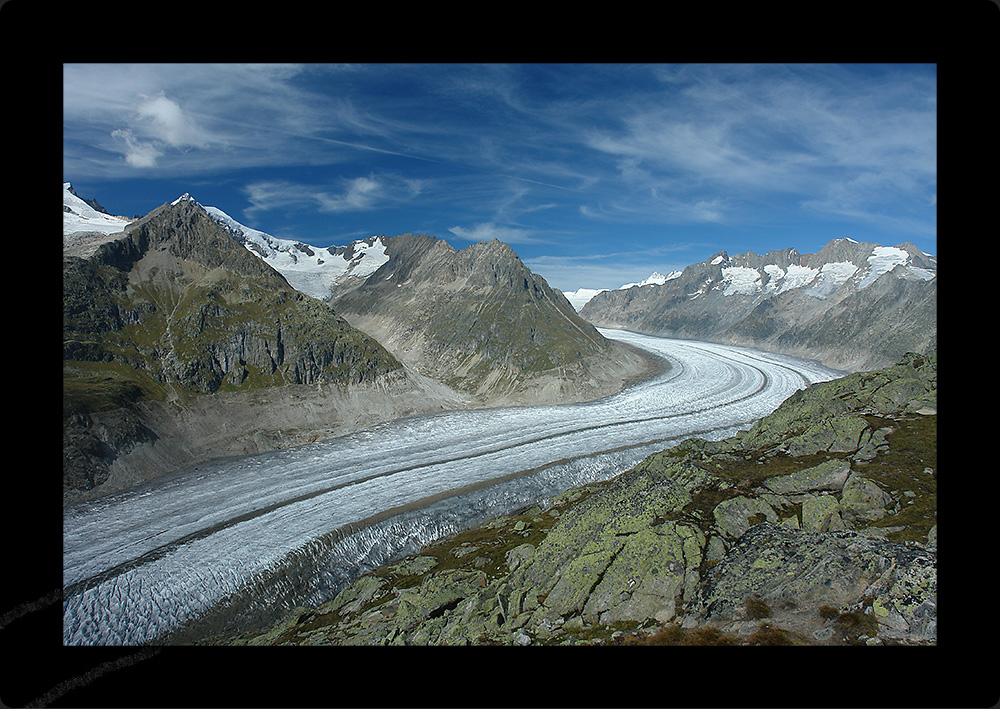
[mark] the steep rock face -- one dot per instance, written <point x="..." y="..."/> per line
<point x="173" y="308"/>
<point x="480" y="321"/>
<point x="181" y="300"/>
<point x="852" y="305"/>
<point x="817" y="526"/>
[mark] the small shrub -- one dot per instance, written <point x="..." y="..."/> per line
<point x="828" y="612"/>
<point x="671" y="635"/>
<point x="757" y="608"/>
<point x="767" y="634"/>
<point x="709" y="635"/>
<point x="675" y="635"/>
<point x="856" y="624"/>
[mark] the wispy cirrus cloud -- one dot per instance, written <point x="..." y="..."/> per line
<point x="193" y="118"/>
<point x="733" y="134"/>
<point x="487" y="231"/>
<point x="355" y="194"/>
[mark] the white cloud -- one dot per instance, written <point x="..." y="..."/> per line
<point x="275" y="194"/>
<point x="156" y="125"/>
<point x="361" y="193"/>
<point x="137" y="153"/>
<point x="356" y="194"/>
<point x="169" y="123"/>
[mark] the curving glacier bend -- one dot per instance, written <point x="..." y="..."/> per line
<point x="226" y="545"/>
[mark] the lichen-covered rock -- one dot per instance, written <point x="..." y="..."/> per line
<point x="652" y="569"/>
<point x="355" y="596"/>
<point x="830" y="475"/>
<point x="836" y="569"/>
<point x="864" y="500"/>
<point x="518" y="555"/>
<point x="438" y="592"/>
<point x="734" y="516"/>
<point x="841" y="434"/>
<point x="821" y="513"/>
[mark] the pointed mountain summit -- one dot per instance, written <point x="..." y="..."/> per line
<point x="854" y="305"/>
<point x="481" y="322"/>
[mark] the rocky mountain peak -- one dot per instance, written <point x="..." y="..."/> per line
<point x="477" y="319"/>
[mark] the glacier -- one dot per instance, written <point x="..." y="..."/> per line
<point x="233" y="543"/>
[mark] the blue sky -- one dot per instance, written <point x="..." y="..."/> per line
<point x="596" y="174"/>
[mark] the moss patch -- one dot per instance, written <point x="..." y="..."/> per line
<point x="908" y="469"/>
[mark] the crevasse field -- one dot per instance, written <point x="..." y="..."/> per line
<point x="239" y="542"/>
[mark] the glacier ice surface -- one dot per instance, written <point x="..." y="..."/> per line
<point x="242" y="541"/>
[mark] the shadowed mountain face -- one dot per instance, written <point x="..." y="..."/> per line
<point x="476" y="319"/>
<point x="852" y="305"/>
<point x="190" y="310"/>
<point x="175" y="308"/>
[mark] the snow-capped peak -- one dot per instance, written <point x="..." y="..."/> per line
<point x="186" y="197"/>
<point x="314" y="271"/>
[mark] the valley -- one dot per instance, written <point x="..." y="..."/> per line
<point x="254" y="427"/>
<point x="248" y="539"/>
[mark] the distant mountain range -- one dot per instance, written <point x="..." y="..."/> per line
<point x="582" y="296"/>
<point x="854" y="305"/>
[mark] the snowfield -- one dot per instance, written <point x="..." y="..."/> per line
<point x="80" y="216"/>
<point x="257" y="536"/>
<point x="312" y="270"/>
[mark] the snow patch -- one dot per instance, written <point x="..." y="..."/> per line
<point x="921" y="273"/>
<point x="797" y="277"/>
<point x="740" y="280"/>
<point x="311" y="270"/>
<point x="582" y="296"/>
<point x="831" y="276"/>
<point x="882" y="260"/>
<point x="654" y="279"/>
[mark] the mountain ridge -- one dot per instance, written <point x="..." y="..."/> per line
<point x="837" y="305"/>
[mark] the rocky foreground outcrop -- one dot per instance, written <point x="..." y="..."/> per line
<point x="816" y="526"/>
